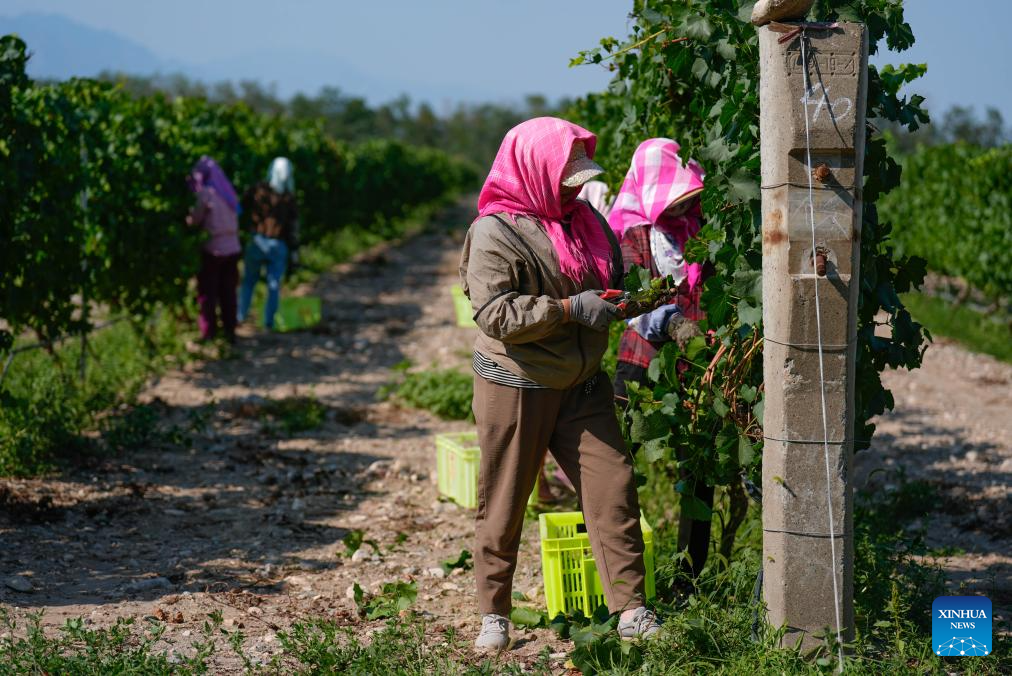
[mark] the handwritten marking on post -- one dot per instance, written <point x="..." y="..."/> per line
<point x="833" y="106"/>
<point x="834" y="215"/>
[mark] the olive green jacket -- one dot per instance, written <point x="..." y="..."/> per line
<point x="511" y="273"/>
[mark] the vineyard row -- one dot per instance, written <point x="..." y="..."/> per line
<point x="93" y="195"/>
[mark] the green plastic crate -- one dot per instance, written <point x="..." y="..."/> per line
<point x="568" y="568"/>
<point x="462" y="304"/>
<point x="294" y="313"/>
<point x="457" y="460"/>
<point x="300" y="312"/>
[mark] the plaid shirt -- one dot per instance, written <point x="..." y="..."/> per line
<point x="634" y="348"/>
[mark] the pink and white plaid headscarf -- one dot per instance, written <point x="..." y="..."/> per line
<point x="657" y="178"/>
<point x="526" y="179"/>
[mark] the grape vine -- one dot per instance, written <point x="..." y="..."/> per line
<point x="955" y="210"/>
<point x="689" y="71"/>
<point x="94" y="197"/>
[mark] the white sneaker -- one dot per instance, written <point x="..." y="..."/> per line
<point x="643" y="624"/>
<point x="495" y="633"/>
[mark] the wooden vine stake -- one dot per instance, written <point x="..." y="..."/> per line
<point x="812" y="157"/>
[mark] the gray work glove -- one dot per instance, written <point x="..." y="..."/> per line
<point x="589" y="309"/>
<point x="682" y="330"/>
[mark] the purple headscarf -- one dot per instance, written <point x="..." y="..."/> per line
<point x="207" y="173"/>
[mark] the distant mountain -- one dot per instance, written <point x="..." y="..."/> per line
<point x="63" y="48"/>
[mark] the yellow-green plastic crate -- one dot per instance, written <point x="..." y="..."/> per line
<point x="457" y="459"/>
<point x="462" y="305"/>
<point x="568" y="568"/>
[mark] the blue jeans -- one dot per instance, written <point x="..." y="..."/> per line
<point x="269" y="252"/>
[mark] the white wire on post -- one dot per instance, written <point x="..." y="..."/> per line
<point x="818" y="330"/>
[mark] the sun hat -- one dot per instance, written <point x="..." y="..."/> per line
<point x="579" y="168"/>
<point x="685" y="198"/>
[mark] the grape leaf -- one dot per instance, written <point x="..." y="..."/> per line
<point x="748" y="393"/>
<point x="742" y="187"/>
<point x="749" y="315"/>
<point x="746" y="452"/>
<point x="527" y="617"/>
<point x="655" y="449"/>
<point x="719" y="405"/>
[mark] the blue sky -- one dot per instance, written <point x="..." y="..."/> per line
<point x="448" y="50"/>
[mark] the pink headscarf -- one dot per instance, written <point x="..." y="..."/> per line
<point x="526" y="179"/>
<point x="207" y="174"/>
<point x="657" y="178"/>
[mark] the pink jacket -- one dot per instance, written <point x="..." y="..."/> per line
<point x="222" y="223"/>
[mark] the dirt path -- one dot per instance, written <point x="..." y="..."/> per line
<point x="250" y="522"/>
<point x="952" y="428"/>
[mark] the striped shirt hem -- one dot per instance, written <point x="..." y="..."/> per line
<point x="492" y="372"/>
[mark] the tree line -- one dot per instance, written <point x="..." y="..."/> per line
<point x="469" y="131"/>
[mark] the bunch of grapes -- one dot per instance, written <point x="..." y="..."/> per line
<point x="660" y="292"/>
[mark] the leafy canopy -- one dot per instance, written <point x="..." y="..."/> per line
<point x="689" y="70"/>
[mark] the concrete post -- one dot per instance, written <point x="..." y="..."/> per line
<point x="798" y="559"/>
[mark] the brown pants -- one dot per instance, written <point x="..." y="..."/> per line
<point x="515" y="427"/>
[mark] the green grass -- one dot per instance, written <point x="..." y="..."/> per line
<point x="445" y="392"/>
<point x="406" y="645"/>
<point x="338" y="247"/>
<point x="707" y="632"/>
<point x="711" y="630"/>
<point x="978" y="332"/>
<point x="334" y="248"/>
<point x="125" y="648"/>
<point x="45" y="409"/>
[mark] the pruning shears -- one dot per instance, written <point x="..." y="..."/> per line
<point x="617" y="297"/>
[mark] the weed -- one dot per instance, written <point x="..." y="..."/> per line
<point x="445" y="392"/>
<point x="409" y="647"/>
<point x="892" y="568"/>
<point x="199" y="418"/>
<point x="121" y="649"/>
<point x="46" y="411"/>
<point x="463" y="561"/>
<point x="353" y="541"/>
<point x="296" y="414"/>
<point x="399" y="540"/>
<point x="137" y="426"/>
<point x="394" y="597"/>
